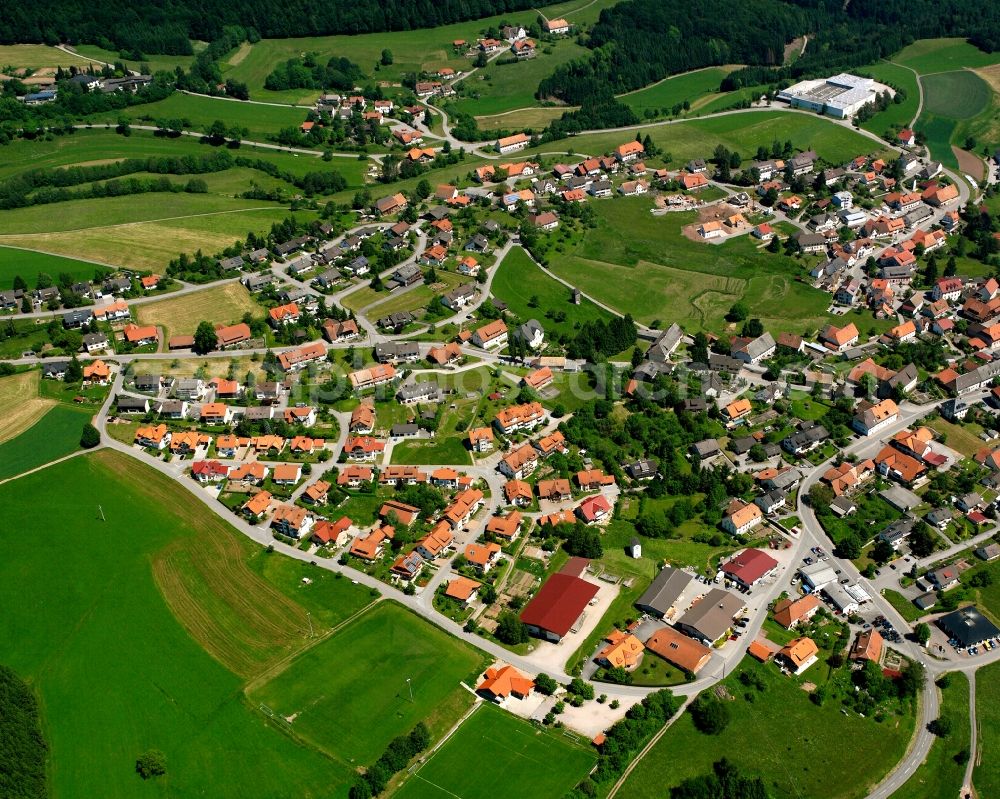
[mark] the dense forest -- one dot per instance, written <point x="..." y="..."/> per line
<point x="22" y="748"/>
<point x="166" y="26"/>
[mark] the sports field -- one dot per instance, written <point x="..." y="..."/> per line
<point x="115" y="672"/>
<point x="496" y="755"/>
<point x="530" y="293"/>
<point x="798" y="748"/>
<point x="349" y="695"/>
<point x="742" y="132"/>
<point x="56" y="433"/>
<point x="940" y="776"/>
<point x="690" y="86"/>
<point x="221" y="305"/>
<point x="640" y="263"/>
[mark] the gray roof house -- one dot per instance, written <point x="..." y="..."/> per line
<point x="418" y="392"/>
<point x="662" y="595"/>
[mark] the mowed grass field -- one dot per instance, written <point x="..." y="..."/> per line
<point x="413" y="51"/>
<point x="798" y="748"/>
<point x="959" y="95"/>
<point x="260" y="120"/>
<point x="38" y="56"/>
<point x="927" y="56"/>
<point x="156" y="62"/>
<point x="741" y="132"/>
<point x="115" y="672"/>
<point x="159" y="228"/>
<point x="29" y="264"/>
<point x="221" y="305"/>
<point x="690" y="86"/>
<point x="986" y="777"/>
<point x="496" y="755"/>
<point x="441" y="449"/>
<point x="20" y="405"/>
<point x="56" y="433"/>
<point x="641" y="264"/>
<point x="940" y="776"/>
<point x="522" y="119"/>
<point x="518" y="281"/>
<point x="504" y="87"/>
<point x="897" y="113"/>
<point x="348" y="696"/>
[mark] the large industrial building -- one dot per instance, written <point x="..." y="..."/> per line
<point x="840" y="96"/>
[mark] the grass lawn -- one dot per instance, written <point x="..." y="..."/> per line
<point x="262" y="121"/>
<point x="806" y="408"/>
<point x="20" y="404"/>
<point x="55" y="434"/>
<point x="37" y="56"/>
<point x="677" y="551"/>
<point x="642" y="264"/>
<point x="218" y="304"/>
<point x="29" y="265"/>
<point x="518" y="281"/>
<point x="903" y="606"/>
<point x="688" y="86"/>
<point x="940" y="776"/>
<point x="419" y="297"/>
<point x="897" y="113"/>
<point x="798" y="749"/>
<point x="149" y="683"/>
<point x="442" y="449"/>
<point x="959" y="95"/>
<point x="350" y="710"/>
<point x="505" y="87"/>
<point x="960" y="437"/>
<point x="156" y="62"/>
<point x="743" y="133"/>
<point x="512" y="758"/>
<point x="986" y="777"/>
<point x="927" y="56"/>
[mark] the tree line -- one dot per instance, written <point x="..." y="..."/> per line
<point x="169" y="27"/>
<point x="22" y="747"/>
<point x="308" y="73"/>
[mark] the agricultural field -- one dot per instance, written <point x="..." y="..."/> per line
<point x="150" y="684"/>
<point x="522" y="119"/>
<point x="689" y="86"/>
<point x="927" y="56"/>
<point x="38" y="56"/>
<point x="530" y="293"/>
<point x="56" y="433"/>
<point x="373" y="704"/>
<point x="504" y="87"/>
<point x="901" y="114"/>
<point x="742" y="132"/>
<point x="100" y="145"/>
<point x="986" y="777"/>
<point x="261" y="121"/>
<point x="413" y="51"/>
<point x="142" y="232"/>
<point x="856" y="752"/>
<point x="29" y="264"/>
<point x="957" y="95"/>
<point x="512" y="759"/>
<point x="20" y="404"/>
<point x="156" y="62"/>
<point x="641" y="263"/>
<point x="941" y="776"/>
<point x="415" y="298"/>
<point x="180" y="315"/>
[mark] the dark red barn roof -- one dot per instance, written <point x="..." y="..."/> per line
<point x="559" y="603"/>
<point x="749" y="566"/>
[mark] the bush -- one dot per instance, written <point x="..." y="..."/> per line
<point x="152" y="763"/>
<point x="710" y="714"/>
<point x="90" y="437"/>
